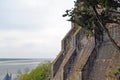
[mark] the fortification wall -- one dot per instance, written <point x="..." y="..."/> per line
<point x="86" y="58"/>
<point x="104" y="55"/>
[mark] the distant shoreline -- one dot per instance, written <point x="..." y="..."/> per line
<point x="17" y="66"/>
<point x="10" y="59"/>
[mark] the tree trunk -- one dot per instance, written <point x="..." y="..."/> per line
<point x="104" y="28"/>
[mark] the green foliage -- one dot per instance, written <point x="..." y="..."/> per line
<point x="81" y="66"/>
<point x="117" y="71"/>
<point x="95" y="15"/>
<point x="84" y="15"/>
<point x="42" y="72"/>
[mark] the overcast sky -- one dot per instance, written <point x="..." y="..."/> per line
<point x="32" y="28"/>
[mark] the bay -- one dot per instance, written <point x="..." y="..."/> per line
<point x="16" y="67"/>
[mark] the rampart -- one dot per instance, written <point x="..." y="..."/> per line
<point x="85" y="58"/>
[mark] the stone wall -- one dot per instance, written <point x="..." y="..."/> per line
<point x="64" y="55"/>
<point x="66" y="44"/>
<point x="85" y="58"/>
<point x="104" y="55"/>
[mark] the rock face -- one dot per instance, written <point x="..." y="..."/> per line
<point x="87" y="58"/>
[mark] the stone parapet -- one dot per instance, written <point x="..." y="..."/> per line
<point x="67" y="43"/>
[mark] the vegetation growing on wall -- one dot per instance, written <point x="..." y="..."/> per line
<point x="117" y="71"/>
<point x="42" y="72"/>
<point x="113" y="70"/>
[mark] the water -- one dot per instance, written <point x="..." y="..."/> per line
<point x="16" y="67"/>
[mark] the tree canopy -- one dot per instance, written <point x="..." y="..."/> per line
<point x="95" y="14"/>
<point x="42" y="72"/>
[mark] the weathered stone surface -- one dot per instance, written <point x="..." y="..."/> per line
<point x="87" y="58"/>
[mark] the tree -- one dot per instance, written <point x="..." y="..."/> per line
<point x="26" y="70"/>
<point x="19" y="72"/>
<point x="95" y="14"/>
<point x="42" y="72"/>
